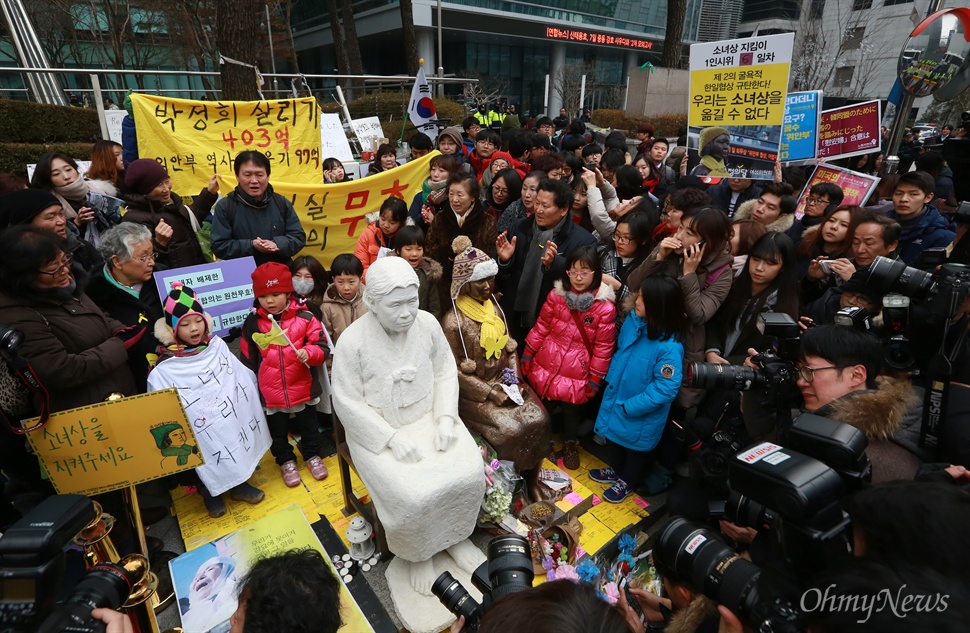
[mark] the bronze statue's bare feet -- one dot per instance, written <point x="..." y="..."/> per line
<point x="467" y="556"/>
<point x="422" y="576"/>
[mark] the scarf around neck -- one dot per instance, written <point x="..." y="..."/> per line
<point x="250" y="201"/>
<point x="493" y="335"/>
<point x="77" y="190"/>
<point x="180" y="453"/>
<point x="716" y="166"/>
<point x="427" y="187"/>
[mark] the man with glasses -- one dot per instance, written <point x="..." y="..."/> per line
<point x="837" y="378"/>
<point x="821" y="198"/>
<point x="486" y="143"/>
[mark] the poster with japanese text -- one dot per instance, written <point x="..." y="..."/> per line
<point x="224" y="288"/>
<point x="737" y="106"/>
<point x="799" y="134"/>
<point x="856" y="187"/>
<point x="333" y="215"/>
<point x="850" y="130"/>
<point x="194" y="139"/>
<point x="111" y="445"/>
<point x="206" y="579"/>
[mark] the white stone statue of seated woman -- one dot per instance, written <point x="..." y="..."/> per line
<point x="395" y="390"/>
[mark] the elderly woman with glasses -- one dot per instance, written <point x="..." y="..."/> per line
<point x="79" y="353"/>
<point x="124" y="289"/>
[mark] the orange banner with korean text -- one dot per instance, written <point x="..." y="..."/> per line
<point x="194" y="139"/>
<point x="333" y="215"/>
<point x="111" y="445"/>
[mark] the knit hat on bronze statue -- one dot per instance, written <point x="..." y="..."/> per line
<point x="471" y="264"/>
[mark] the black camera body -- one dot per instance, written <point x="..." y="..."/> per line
<point x="32" y="568"/>
<point x="507" y="569"/>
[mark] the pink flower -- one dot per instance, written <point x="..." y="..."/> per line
<point x="566" y="572"/>
<point x="612" y="592"/>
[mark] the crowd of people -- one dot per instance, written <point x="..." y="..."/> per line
<point x="602" y="272"/>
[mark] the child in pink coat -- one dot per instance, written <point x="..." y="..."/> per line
<point x="281" y="342"/>
<point x="568" y="351"/>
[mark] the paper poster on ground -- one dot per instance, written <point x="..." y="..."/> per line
<point x="207" y="578"/>
<point x="111" y="445"/>
<point x="737" y="106"/>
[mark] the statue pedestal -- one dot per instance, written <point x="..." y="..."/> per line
<point x="419" y="613"/>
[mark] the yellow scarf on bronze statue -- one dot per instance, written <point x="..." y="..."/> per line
<point x="717" y="167"/>
<point x="493" y="336"/>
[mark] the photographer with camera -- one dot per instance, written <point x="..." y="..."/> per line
<point x="838" y="378"/>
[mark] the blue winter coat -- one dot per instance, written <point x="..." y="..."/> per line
<point x="932" y="230"/>
<point x="642" y="383"/>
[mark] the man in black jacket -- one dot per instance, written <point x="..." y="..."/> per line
<point x="532" y="255"/>
<point x="731" y="193"/>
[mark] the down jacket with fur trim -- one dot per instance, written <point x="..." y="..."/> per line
<point x="562" y="364"/>
<point x="781" y="224"/>
<point x="284" y="382"/>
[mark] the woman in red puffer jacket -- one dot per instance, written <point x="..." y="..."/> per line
<point x="568" y="351"/>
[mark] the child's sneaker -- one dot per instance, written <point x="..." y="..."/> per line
<point x="247" y="493"/>
<point x="617" y="492"/>
<point x="599" y="439"/>
<point x="317" y="468"/>
<point x="291" y="476"/>
<point x="603" y="475"/>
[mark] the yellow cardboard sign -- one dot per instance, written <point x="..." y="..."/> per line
<point x="333" y="215"/>
<point x="195" y="139"/>
<point x="738" y="96"/>
<point x="112" y="445"/>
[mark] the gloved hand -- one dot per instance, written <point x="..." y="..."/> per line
<point x="131" y="335"/>
<point x="593" y="386"/>
<point x="525" y="361"/>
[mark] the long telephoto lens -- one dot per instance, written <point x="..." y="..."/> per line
<point x="509" y="565"/>
<point x="456" y="598"/>
<point x="892" y="275"/>
<point x="718" y="376"/>
<point x="105" y="586"/>
<point x="700" y="559"/>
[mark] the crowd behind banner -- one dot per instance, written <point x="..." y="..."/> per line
<point x="621" y="284"/>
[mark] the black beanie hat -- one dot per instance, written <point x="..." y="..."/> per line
<point x="143" y="175"/>
<point x="22" y="206"/>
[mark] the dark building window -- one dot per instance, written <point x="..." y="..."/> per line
<point x="858" y="5"/>
<point x="758" y="10"/>
<point x="890" y="3"/>
<point x="818" y="7"/>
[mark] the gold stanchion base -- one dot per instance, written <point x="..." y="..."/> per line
<point x="165" y="591"/>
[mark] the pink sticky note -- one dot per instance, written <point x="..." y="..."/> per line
<point x="640" y="502"/>
<point x="574" y="498"/>
<point x="596" y="500"/>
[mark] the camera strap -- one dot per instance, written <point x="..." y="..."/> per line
<point x="938" y="373"/>
<point x="25" y="373"/>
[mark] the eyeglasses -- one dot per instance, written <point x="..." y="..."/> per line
<point x="485" y="142"/>
<point x="145" y="258"/>
<point x="579" y="274"/>
<point x="808" y="373"/>
<point x="499" y="190"/>
<point x="814" y="200"/>
<point x="65" y="267"/>
<point x="621" y="239"/>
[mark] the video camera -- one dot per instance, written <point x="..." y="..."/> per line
<point x="32" y="567"/>
<point x="941" y="291"/>
<point x="507" y="569"/>
<point x="774" y="486"/>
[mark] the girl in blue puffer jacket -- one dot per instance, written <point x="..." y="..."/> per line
<point x="642" y="383"/>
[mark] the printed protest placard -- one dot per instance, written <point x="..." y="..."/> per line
<point x="855" y="186"/>
<point x="111" y="445"/>
<point x="850" y="130"/>
<point x="206" y="578"/>
<point x="333" y="215"/>
<point x="737" y="105"/>
<point x="799" y="134"/>
<point x="195" y="139"/>
<point x="224" y="288"/>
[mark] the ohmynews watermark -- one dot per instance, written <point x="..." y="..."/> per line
<point x="901" y="604"/>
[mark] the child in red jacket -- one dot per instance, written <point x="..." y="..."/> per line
<point x="281" y="343"/>
<point x="568" y="351"/>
